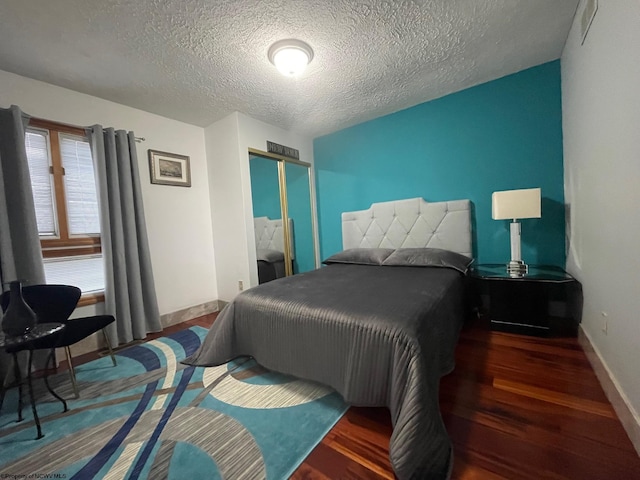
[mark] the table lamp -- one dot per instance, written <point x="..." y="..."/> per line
<point x="514" y="205"/>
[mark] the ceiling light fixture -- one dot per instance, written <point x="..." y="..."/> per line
<point x="290" y="56"/>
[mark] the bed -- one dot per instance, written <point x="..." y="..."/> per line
<point x="379" y="323"/>
<point x="269" y="236"/>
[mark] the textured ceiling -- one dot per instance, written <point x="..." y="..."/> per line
<point x="199" y="60"/>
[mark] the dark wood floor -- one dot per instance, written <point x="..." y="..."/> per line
<point x="515" y="407"/>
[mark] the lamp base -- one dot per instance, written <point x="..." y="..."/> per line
<point x="517" y="268"/>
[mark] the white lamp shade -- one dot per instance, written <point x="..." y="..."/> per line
<point x="513" y="204"/>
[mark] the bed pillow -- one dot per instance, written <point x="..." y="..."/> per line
<point x="360" y="256"/>
<point x="267" y="255"/>
<point x="428" y="257"/>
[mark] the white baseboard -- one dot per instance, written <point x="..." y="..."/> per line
<point x="626" y="413"/>
<point x="189" y="313"/>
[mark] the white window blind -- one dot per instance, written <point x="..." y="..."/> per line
<point x="86" y="273"/>
<point x="37" y="145"/>
<point x="80" y="186"/>
<point x="81" y="202"/>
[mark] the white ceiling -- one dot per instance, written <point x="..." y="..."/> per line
<point x="199" y="60"/>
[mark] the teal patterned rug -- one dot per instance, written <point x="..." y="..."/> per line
<point x="152" y="417"/>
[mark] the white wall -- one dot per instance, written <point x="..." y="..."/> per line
<point x="228" y="142"/>
<point x="227" y="211"/>
<point x="178" y="219"/>
<point x="601" y="123"/>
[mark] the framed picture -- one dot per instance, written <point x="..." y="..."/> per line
<point x="169" y="168"/>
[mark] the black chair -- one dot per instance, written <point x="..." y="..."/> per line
<point x="54" y="304"/>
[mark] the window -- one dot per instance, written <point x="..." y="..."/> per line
<point x="66" y="202"/>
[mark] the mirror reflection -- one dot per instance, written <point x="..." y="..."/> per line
<point x="267" y="218"/>
<point x="278" y="188"/>
<point x="299" y="211"/>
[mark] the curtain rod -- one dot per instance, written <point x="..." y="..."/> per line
<point x="44" y="120"/>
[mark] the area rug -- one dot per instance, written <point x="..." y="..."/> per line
<point x="152" y="417"/>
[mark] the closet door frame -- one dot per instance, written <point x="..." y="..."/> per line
<point x="282" y="179"/>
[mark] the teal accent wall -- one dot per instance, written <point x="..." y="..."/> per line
<point x="502" y="135"/>
<point x="265" y="189"/>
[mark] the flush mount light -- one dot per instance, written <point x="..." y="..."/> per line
<point x="290" y="56"/>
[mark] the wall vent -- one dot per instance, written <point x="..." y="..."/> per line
<point x="588" y="12"/>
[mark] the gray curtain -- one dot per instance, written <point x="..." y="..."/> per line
<point x="130" y="293"/>
<point x="20" y="253"/>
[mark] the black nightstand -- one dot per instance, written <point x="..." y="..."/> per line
<point x="545" y="302"/>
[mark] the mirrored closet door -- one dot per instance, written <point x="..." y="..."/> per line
<point x="281" y="189"/>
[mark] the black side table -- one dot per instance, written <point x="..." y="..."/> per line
<point x="545" y="302"/>
<point x="13" y="345"/>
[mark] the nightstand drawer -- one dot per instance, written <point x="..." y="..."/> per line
<point x="542" y="305"/>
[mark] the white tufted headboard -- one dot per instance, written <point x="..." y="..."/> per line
<point x="410" y="223"/>
<point x="270" y="234"/>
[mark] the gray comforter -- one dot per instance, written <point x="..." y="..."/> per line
<point x="379" y="335"/>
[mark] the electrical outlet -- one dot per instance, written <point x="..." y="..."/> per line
<point x="605" y="323"/>
<point x="240" y="285"/>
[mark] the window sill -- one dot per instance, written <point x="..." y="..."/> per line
<point x="91" y="299"/>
